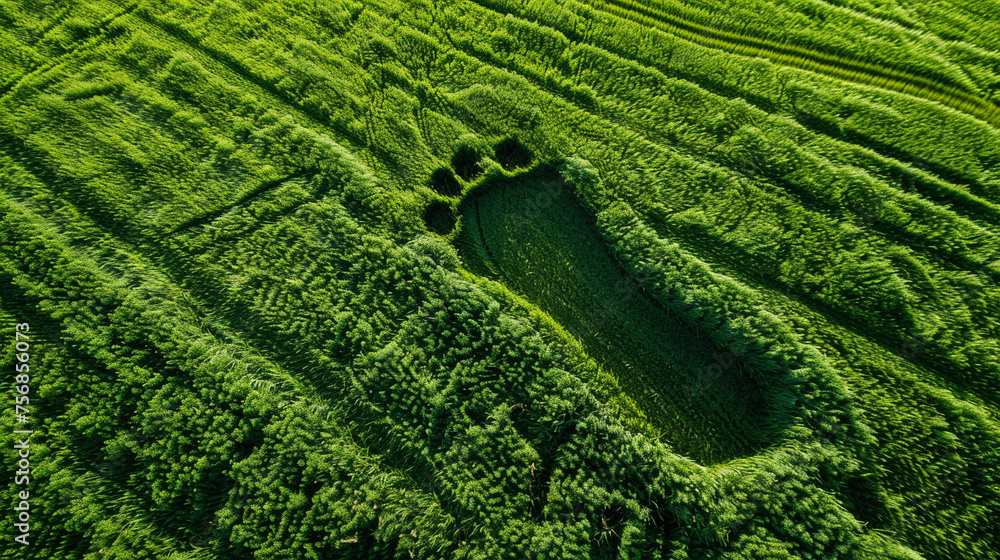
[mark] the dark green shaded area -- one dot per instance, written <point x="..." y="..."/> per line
<point x="512" y="153"/>
<point x="439" y="217"/>
<point x="466" y="162"/>
<point x="444" y="182"/>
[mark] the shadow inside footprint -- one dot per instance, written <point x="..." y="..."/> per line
<point x="532" y="233"/>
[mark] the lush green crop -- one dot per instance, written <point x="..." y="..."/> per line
<point x="502" y="278"/>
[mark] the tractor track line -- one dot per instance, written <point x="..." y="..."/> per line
<point x="789" y="55"/>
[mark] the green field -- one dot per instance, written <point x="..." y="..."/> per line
<point x="490" y="279"/>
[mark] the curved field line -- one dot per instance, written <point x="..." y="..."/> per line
<point x="790" y="55"/>
<point x="47" y="64"/>
<point x="244" y="200"/>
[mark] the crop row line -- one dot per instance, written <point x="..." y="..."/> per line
<point x="790" y="55"/>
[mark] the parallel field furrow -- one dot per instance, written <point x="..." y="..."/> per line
<point x="854" y="71"/>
